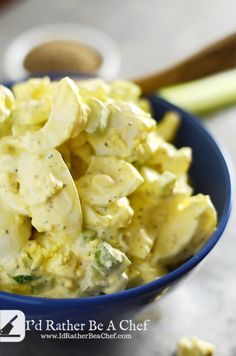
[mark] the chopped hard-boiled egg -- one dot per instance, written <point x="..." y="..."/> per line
<point x="67" y="119"/>
<point x="108" y="179"/>
<point x="50" y="193"/>
<point x="15" y="231"/>
<point x="185" y="229"/>
<point x="128" y="128"/>
<point x="7" y="103"/>
<point x="94" y="196"/>
<point x="168" y="126"/>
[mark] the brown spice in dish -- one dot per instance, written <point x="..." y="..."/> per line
<point x="63" y="56"/>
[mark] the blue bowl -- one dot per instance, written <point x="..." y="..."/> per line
<point x="210" y="175"/>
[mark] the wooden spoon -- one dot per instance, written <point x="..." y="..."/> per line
<point x="215" y="58"/>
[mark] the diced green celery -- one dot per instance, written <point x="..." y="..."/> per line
<point x="22" y="279"/>
<point x="110" y="259"/>
<point x="88" y="235"/>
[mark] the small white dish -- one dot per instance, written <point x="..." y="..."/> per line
<point x="15" y="54"/>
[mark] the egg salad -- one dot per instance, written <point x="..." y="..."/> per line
<point x="193" y="346"/>
<point x="94" y="197"/>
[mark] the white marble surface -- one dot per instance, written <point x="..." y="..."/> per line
<point x="151" y="34"/>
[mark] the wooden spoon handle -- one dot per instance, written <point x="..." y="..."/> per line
<point x="215" y="58"/>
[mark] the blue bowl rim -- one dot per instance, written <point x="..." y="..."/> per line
<point x="169" y="278"/>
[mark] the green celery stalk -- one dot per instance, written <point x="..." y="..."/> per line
<point x="205" y="95"/>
